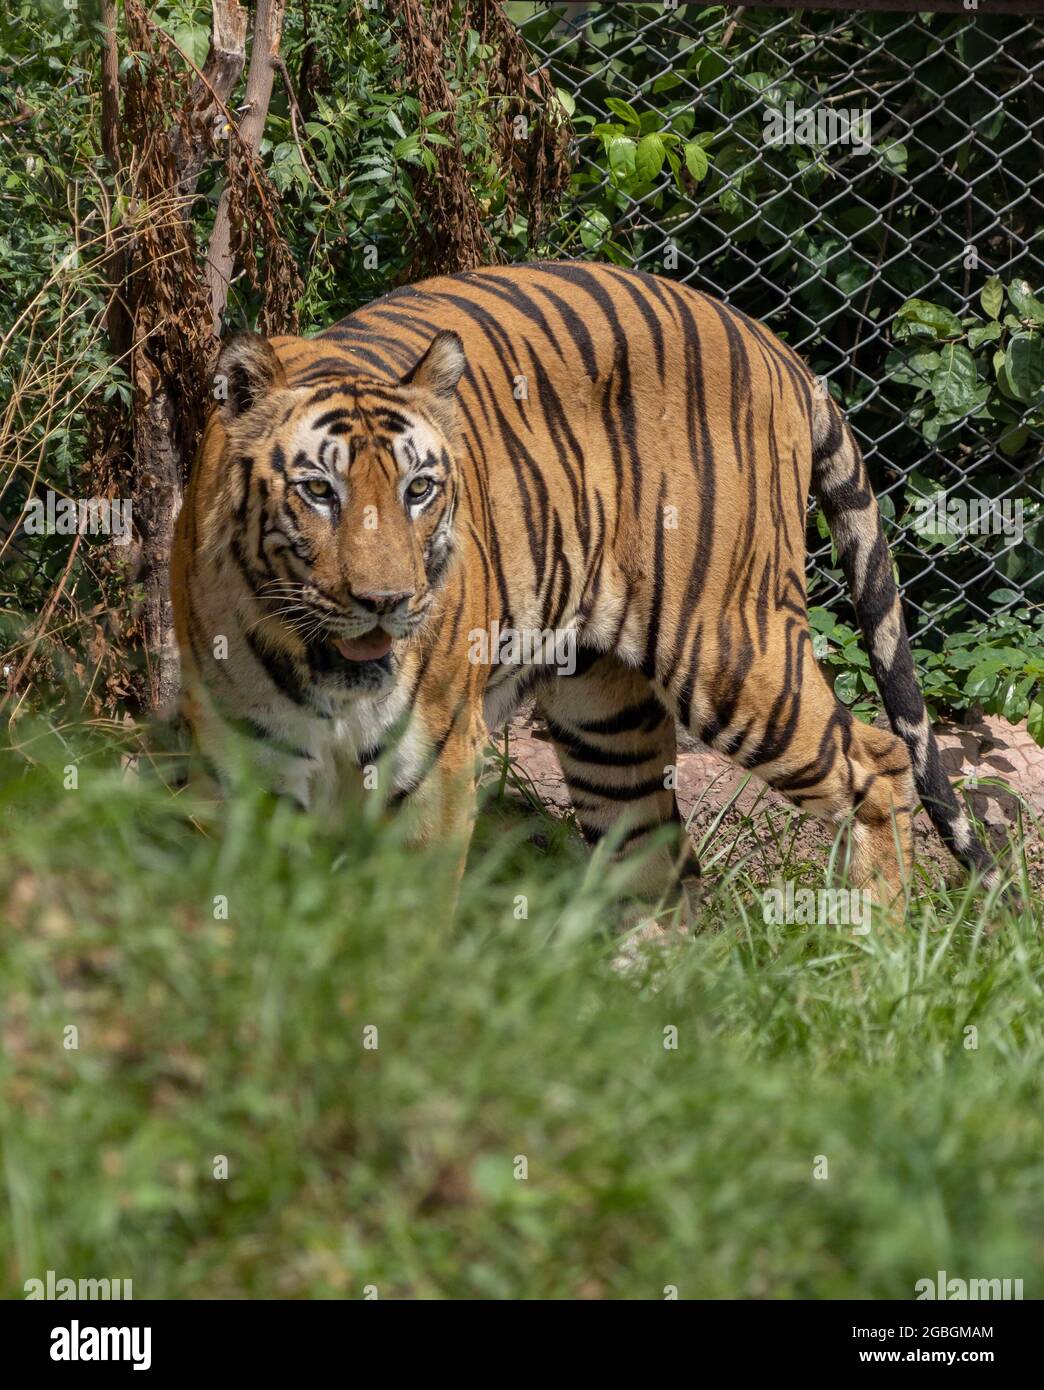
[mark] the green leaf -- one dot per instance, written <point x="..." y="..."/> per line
<point x="696" y="160"/>
<point x="194" y="40"/>
<point x="730" y="201"/>
<point x="622" y="154"/>
<point x="1011" y="701"/>
<point x="566" y="100"/>
<point x="986" y="333"/>
<point x="1012" y="441"/>
<point x="918" y="318"/>
<point x="712" y="66"/>
<point x="624" y="110"/>
<point x="1026" y="306"/>
<point x="992" y="297"/>
<point x="766" y="85"/>
<point x="1026" y="366"/>
<point x="666" y="82"/>
<point x="912" y="368"/>
<point x="846" y="687"/>
<point x="982" y="679"/>
<point x="1035" y="722"/>
<point x="594" y="229"/>
<point x="676" y="167"/>
<point x="955" y="382"/>
<point x="649" y="122"/>
<point x="649" y="158"/>
<point x="894" y="156"/>
<point x="821" y="620"/>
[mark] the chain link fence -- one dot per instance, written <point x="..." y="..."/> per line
<point x="824" y="235"/>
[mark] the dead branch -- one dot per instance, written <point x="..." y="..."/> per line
<point x="294" y="113"/>
<point x="529" y="139"/>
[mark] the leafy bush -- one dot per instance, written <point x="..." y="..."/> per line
<point x="939" y="364"/>
<point x="987" y="366"/>
<point x="996" y="669"/>
<point x="55" y="209"/>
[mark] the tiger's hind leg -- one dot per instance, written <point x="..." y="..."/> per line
<point x="616" y="746"/>
<point x="785" y="724"/>
<point x="859" y="776"/>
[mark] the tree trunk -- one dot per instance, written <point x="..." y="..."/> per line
<point x="216" y="83"/>
<point x="159" y="464"/>
<point x="264" y="48"/>
<point x="156" y="505"/>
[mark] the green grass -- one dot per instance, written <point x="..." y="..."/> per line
<point x="498" y="1037"/>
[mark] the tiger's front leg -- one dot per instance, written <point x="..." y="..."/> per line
<point x="441" y="807"/>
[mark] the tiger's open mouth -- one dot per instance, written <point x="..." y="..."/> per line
<point x="355" y="664"/>
<point x="372" y="646"/>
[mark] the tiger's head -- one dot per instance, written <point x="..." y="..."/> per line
<point x="344" y="495"/>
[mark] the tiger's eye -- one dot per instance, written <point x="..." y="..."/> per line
<point x="418" y="488"/>
<point x="319" y="488"/>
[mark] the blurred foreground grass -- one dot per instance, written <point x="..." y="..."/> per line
<point x="503" y="1043"/>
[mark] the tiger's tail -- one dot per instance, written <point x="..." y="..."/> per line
<point x="841" y="483"/>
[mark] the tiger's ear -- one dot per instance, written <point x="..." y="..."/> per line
<point x="438" y="373"/>
<point x="247" y="369"/>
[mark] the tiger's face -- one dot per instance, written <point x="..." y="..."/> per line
<point x="345" y="494"/>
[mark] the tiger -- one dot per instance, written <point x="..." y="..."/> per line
<point x="566" y="448"/>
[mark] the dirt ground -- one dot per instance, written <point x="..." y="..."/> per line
<point x="1005" y="763"/>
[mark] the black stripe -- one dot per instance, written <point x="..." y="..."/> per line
<point x="583" y="752"/>
<point x="626" y="281"/>
<point x="281" y="668"/>
<point x="652" y="632"/>
<point x="634" y="792"/>
<point x="647" y="716"/>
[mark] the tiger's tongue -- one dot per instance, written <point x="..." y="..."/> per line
<point x="372" y="647"/>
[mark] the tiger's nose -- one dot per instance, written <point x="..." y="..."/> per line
<point x="381" y="600"/>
